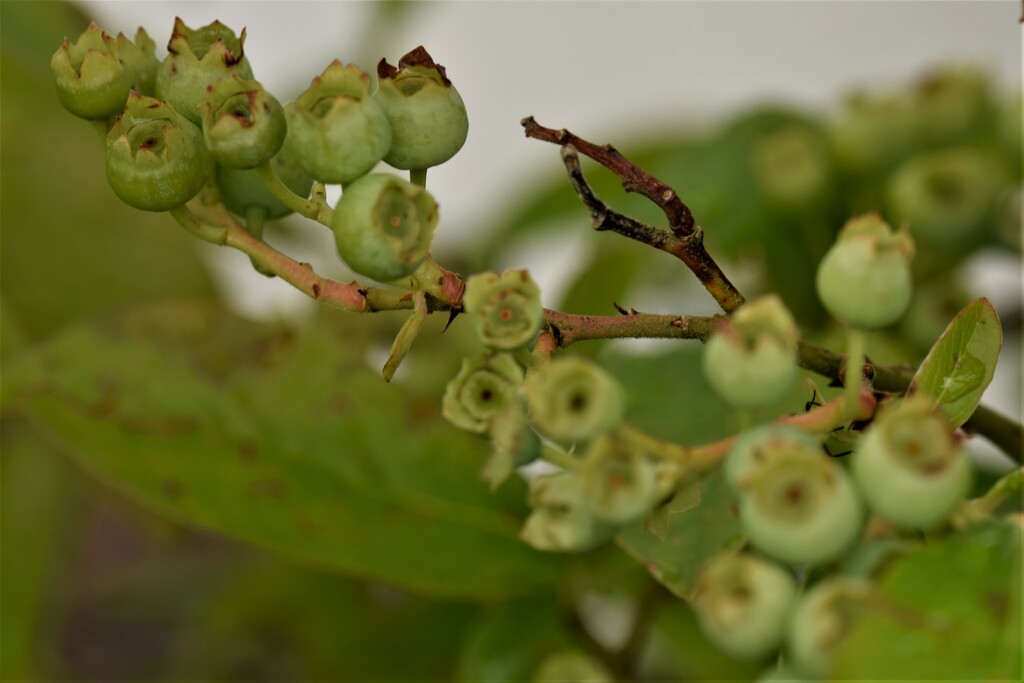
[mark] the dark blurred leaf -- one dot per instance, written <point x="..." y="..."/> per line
<point x="290" y="443"/>
<point x="508" y="642"/>
<point x="281" y="622"/>
<point x="679" y="651"/>
<point x="70" y="248"/>
<point x="34" y="502"/>
<point x="960" y="366"/>
<point x="954" y="613"/>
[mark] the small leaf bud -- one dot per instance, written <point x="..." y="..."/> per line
<point x="506" y="309"/>
<point x="428" y="118"/>
<point x="156" y="159"/>
<point x="383" y="226"/>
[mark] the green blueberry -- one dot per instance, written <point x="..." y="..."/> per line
<point x="865" y="279"/>
<point x="620" y="483"/>
<point x="792" y="167"/>
<point x="92" y="81"/>
<point x="506" y="308"/>
<point x="383" y="226"/>
<point x="196" y="59"/>
<point x="340" y="132"/>
<point x="953" y="104"/>
<point x="571" y="665"/>
<point x="243" y="124"/>
<point x="874" y="132"/>
<point x="947" y="197"/>
<point x="743" y="604"/>
<point x="573" y="399"/>
<point x="909" y="467"/>
<point x="139" y="57"/>
<point x="485" y="388"/>
<point x="427" y="116"/>
<point x="821" y="620"/>
<point x="800" y="507"/>
<point x="751" y="360"/>
<point x="756" y="446"/>
<point x="561" y="520"/>
<point x="156" y="159"/>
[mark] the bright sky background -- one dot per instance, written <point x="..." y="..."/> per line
<point x="610" y="71"/>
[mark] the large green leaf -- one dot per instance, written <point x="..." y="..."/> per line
<point x="289" y="442"/>
<point x="70" y="247"/>
<point x="954" y="613"/>
<point x="958" y="369"/>
<point x="690" y="538"/>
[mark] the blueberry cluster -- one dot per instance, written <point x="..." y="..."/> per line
<point x="197" y="119"/>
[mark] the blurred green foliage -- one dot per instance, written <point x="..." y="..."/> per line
<point x="388" y="559"/>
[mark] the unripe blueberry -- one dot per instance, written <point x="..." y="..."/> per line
<point x="383" y="226"/>
<point x="561" y="520"/>
<point x="506" y="308"/>
<point x="243" y="124"/>
<point x="573" y="399"/>
<point x="909" y="467"/>
<point x="799" y="507"/>
<point x="197" y="58"/>
<point x="621" y="483"/>
<point x="751" y="360"/>
<point x="875" y="132"/>
<point x="743" y="603"/>
<point x="821" y="619"/>
<point x="241" y="189"/>
<point x="792" y="167"/>
<point x="486" y="387"/>
<point x="139" y="57"/>
<point x="952" y="104"/>
<point x="756" y="446"/>
<point x="92" y="81"/>
<point x="571" y="665"/>
<point x="865" y="277"/>
<point x="156" y="159"/>
<point x="946" y="196"/>
<point x="427" y="116"/>
<point x="339" y="131"/>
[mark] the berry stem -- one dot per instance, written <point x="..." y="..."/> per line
<point x="418" y="176"/>
<point x="559" y="458"/>
<point x="853" y="370"/>
<point x="214" y="234"/>
<point x="981" y="509"/>
<point x="316" y="208"/>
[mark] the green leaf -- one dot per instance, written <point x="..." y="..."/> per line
<point x="691" y="538"/>
<point x="288" y="442"/>
<point x="954" y="613"/>
<point x="958" y="369"/>
<point x="508" y="642"/>
<point x="71" y="248"/>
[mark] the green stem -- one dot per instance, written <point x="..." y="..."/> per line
<point x="418" y="176"/>
<point x="557" y="457"/>
<point x="255" y="220"/>
<point x="853" y="370"/>
<point x="981" y="509"/>
<point x="403" y="341"/>
<point x="214" y="234"/>
<point x="316" y="209"/>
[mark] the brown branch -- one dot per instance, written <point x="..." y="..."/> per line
<point x="689" y="249"/>
<point x="568" y="328"/>
<point x="634" y="179"/>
